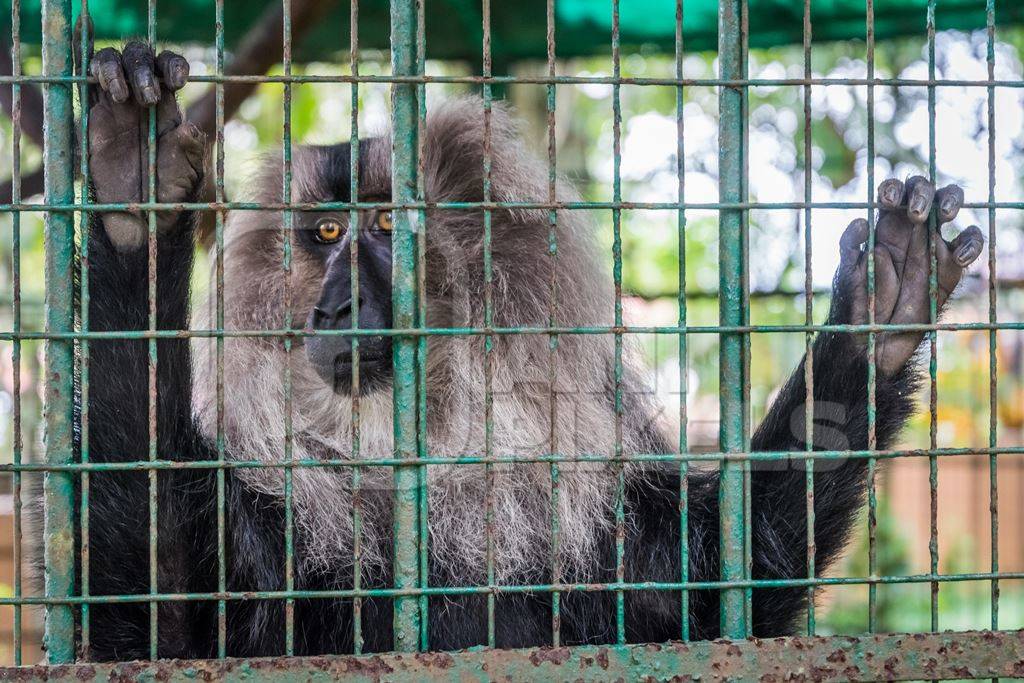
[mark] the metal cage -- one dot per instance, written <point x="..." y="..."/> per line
<point x="67" y="600"/>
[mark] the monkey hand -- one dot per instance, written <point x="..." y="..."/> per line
<point x="130" y="84"/>
<point x="902" y="265"/>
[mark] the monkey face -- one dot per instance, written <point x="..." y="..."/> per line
<point x="351" y="298"/>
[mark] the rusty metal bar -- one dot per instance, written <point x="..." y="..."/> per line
<point x="732" y="378"/>
<point x="222" y="621"/>
<point x="739" y="205"/>
<point x="555" y="80"/>
<point x="620" y="483"/>
<point x="353" y="219"/>
<point x="286" y="273"/>
<point x="16" y="304"/>
<point x="684" y="473"/>
<point x="993" y="358"/>
<point x="421" y="312"/>
<point x="154" y="588"/>
<point x="950" y="655"/>
<point x="872" y="364"/>
<point x="405" y="123"/>
<point x="553" y="443"/>
<point x="933" y="315"/>
<point x="85" y="44"/>
<point x="510" y="459"/>
<point x="488" y="322"/>
<point x="808" y="318"/>
<point x="59" y="487"/>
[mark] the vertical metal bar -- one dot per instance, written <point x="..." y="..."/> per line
<point x="620" y="485"/>
<point x="83" y="156"/>
<point x="421" y="340"/>
<point x="808" y="320"/>
<point x="872" y="361"/>
<point x="58" y="487"/>
<point x="748" y="542"/>
<point x="222" y="623"/>
<point x="404" y="122"/>
<point x="488" y="322"/>
<point x="993" y="358"/>
<point x="731" y="313"/>
<point x="933" y="314"/>
<point x="16" y="313"/>
<point x="286" y="267"/>
<point x="154" y="541"/>
<point x="684" y="491"/>
<point x="556" y="526"/>
<point x="353" y="220"/>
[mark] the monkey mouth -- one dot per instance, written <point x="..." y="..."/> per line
<point x="333" y="360"/>
<point x="374" y="371"/>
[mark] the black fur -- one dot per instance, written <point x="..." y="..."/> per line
<point x="119" y="530"/>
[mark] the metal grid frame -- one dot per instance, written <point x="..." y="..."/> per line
<point x="933" y="655"/>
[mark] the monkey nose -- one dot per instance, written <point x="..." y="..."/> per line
<point x="331" y="317"/>
<point x="318" y="317"/>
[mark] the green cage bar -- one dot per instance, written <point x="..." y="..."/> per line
<point x="405" y="123"/>
<point x="84" y="56"/>
<point x="993" y="366"/>
<point x="16" y="382"/>
<point x="731" y="303"/>
<point x="962" y="654"/>
<point x="58" y="487"/>
<point x="353" y="219"/>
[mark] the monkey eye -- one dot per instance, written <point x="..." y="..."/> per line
<point x="384" y="221"/>
<point x="328" y="230"/>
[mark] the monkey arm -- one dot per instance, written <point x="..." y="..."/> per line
<point x="118" y="398"/>
<point x="778" y="487"/>
<point x="119" y="368"/>
<point x="132" y="84"/>
<point x="119" y="431"/>
<point x="840" y="389"/>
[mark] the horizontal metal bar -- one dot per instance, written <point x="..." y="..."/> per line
<point x="461" y="206"/>
<point x="416" y="591"/>
<point x="556" y="80"/>
<point x="949" y="655"/>
<point x="498" y="459"/>
<point x="497" y="331"/>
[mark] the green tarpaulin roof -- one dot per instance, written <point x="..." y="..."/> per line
<point x="583" y="27"/>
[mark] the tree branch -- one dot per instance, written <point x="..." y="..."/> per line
<point x="31" y="117"/>
<point x="260" y="49"/>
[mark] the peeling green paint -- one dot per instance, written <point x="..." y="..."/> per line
<point x="58" y="487"/>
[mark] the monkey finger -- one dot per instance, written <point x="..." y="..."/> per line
<point x="140" y="69"/>
<point x="168" y="114"/>
<point x="855" y="235"/>
<point x="887" y="284"/>
<point x="948" y="201"/>
<point x="890" y="193"/>
<point x="920" y="194"/>
<point x="126" y="230"/>
<point x="193" y="143"/>
<point x="967" y="246"/>
<point x="106" y="68"/>
<point x="173" y="69"/>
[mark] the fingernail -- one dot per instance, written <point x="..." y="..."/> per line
<point x="119" y="90"/>
<point x="149" y="94"/>
<point x="917" y="206"/>
<point x="890" y="195"/>
<point x="963" y="255"/>
<point x="948" y="206"/>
